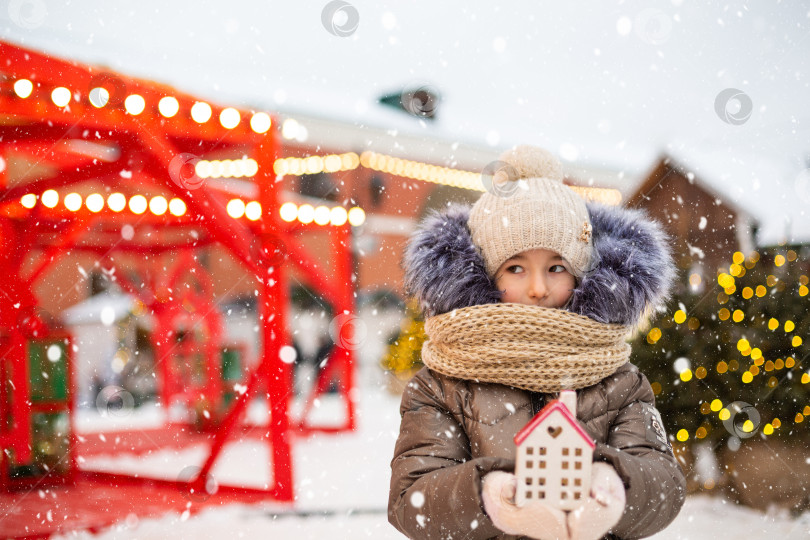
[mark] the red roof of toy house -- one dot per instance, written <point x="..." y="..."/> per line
<point x="555" y="405"/>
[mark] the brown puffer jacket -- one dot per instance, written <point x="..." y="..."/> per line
<point x="455" y="431"/>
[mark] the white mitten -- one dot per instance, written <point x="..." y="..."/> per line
<point x="536" y="519"/>
<point x="603" y="509"/>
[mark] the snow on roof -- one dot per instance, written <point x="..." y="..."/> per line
<point x="98" y="309"/>
<point x="769" y="190"/>
<point x="538" y="419"/>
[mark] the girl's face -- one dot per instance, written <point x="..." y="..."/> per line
<point x="537" y="277"/>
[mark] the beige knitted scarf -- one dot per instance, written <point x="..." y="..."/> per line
<point x="530" y="347"/>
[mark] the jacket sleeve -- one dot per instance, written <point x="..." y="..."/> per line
<point x="435" y="486"/>
<point x="638" y="448"/>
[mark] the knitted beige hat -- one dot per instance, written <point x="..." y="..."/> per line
<point x="532" y="210"/>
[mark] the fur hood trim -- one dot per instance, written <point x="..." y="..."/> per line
<point x="632" y="271"/>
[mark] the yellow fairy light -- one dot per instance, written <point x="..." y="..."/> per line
<point x="803" y="290"/>
<point x="288" y="211"/>
<point x="772" y="383"/>
<point x="743" y="345"/>
<point x="134" y="104"/>
<point x="701" y="432"/>
<point x="773" y="324"/>
<point x="653" y="335"/>
<point x="756" y="353"/>
<point x="789" y="326"/>
<point x="177" y="207"/>
<point x="356" y="216"/>
<point x="735" y="270"/>
<point x="260" y="122"/>
<point x="754" y="370"/>
<point x="73" y="201"/>
<point x="738" y="257"/>
<point x="201" y="112"/>
<point x="138" y="204"/>
<point x="235" y="208"/>
<point x="768" y="429"/>
<point x="747" y="293"/>
<point x="724" y="414"/>
<point x="253" y="210"/>
<point x="306" y="213"/>
<point x="679" y="316"/>
<point x="705" y="408"/>
<point x="29" y="200"/>
<point x="693" y="323"/>
<point x="338" y="216"/>
<point x="722" y="298"/>
<point x="761" y="291"/>
<point x="804" y="280"/>
<point x="94" y="202"/>
<point x="656" y="388"/>
<point x="158" y="205"/>
<point x="796" y="341"/>
<point x="168" y="106"/>
<point x="116" y="202"/>
<point x="776" y="423"/>
<point x="779" y="260"/>
<point x="50" y="198"/>
<point x="789" y="362"/>
<point x="799" y="418"/>
<point x="682" y="435"/>
<point x="747" y="377"/>
<point x="23" y="88"/>
<point x="791" y="256"/>
<point x="60" y="96"/>
<point x="778" y="364"/>
<point x="229" y="118"/>
<point x="805" y="378"/>
<point x="748" y="426"/>
<point x="724" y="314"/>
<point x="722" y="367"/>
<point x="725" y="280"/>
<point x="738" y="315"/>
<point x="806" y="410"/>
<point x="701" y="372"/>
<point x="686" y="375"/>
<point x="321" y="215"/>
<point x="716" y="405"/>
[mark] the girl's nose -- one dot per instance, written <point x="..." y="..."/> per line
<point x="538" y="288"/>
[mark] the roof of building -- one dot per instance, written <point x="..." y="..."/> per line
<point x="555" y="405"/>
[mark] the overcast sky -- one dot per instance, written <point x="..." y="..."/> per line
<point x="607" y="83"/>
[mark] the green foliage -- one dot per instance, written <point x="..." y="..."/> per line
<point x="742" y="337"/>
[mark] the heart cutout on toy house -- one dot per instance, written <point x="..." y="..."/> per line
<point x="554" y="431"/>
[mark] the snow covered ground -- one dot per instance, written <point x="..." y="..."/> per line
<point x="342" y="489"/>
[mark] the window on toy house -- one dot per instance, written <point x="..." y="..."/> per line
<point x="320" y="186"/>
<point x="376" y="190"/>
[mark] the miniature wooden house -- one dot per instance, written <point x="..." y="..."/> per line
<point x="554" y="456"/>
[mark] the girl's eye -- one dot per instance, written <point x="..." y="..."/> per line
<point x="514" y="269"/>
<point x="557" y="268"/>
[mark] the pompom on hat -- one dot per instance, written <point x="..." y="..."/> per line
<point x="532" y="209"/>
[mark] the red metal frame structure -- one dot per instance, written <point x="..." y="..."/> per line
<point x="47" y="118"/>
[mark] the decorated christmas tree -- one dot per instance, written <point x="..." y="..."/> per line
<point x="404" y="354"/>
<point x="728" y="359"/>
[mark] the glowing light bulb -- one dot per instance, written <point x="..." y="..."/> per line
<point x="138" y="204"/>
<point x="158" y="205"/>
<point x="23" y="88"/>
<point x="357" y="216"/>
<point x="306" y="213"/>
<point x="60" y="96"/>
<point x="288" y="211"/>
<point x="201" y="112"/>
<point x="168" y="106"/>
<point x="29" y="200"/>
<point x="253" y="210"/>
<point x="177" y="207"/>
<point x="338" y="216"/>
<point x="321" y="216"/>
<point x="94" y="202"/>
<point x="260" y="122"/>
<point x="236" y="208"/>
<point x="116" y="202"/>
<point x="73" y="201"/>
<point x="229" y="118"/>
<point x="134" y="104"/>
<point x="50" y="198"/>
